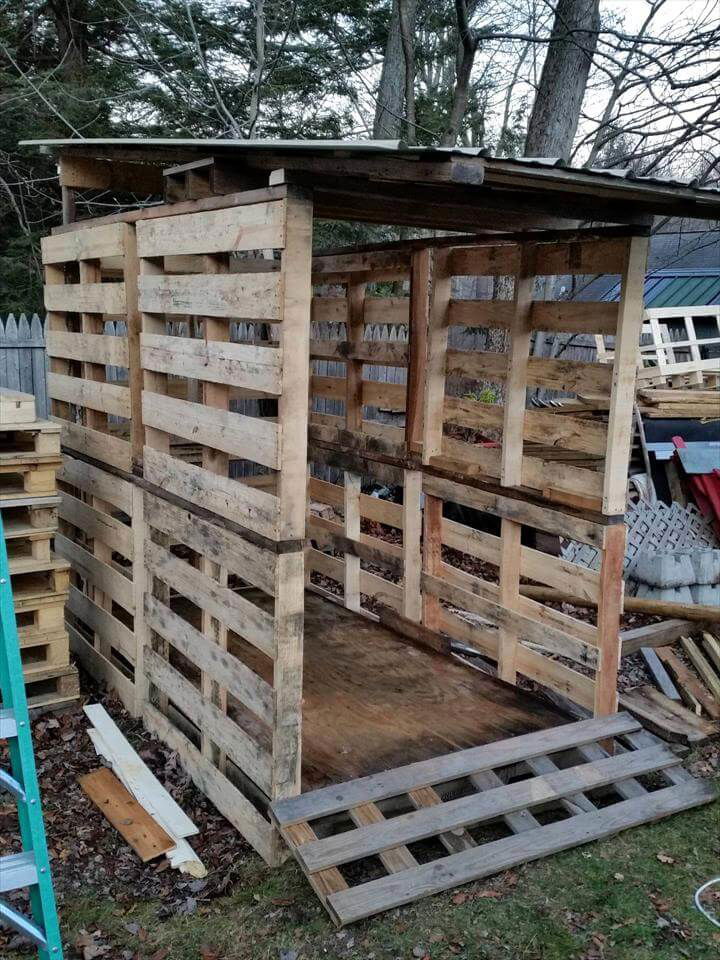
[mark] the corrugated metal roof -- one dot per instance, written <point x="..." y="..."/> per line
<point x="548" y="165"/>
<point x="678" y="288"/>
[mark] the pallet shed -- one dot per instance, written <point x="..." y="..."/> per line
<point x="234" y="579"/>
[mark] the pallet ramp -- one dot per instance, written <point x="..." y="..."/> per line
<point x="547" y="791"/>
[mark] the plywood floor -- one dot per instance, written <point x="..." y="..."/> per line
<point x="371" y="701"/>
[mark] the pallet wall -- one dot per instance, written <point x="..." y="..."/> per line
<point x="101" y="535"/>
<point x="90" y="285"/>
<point x="188" y="583"/>
<point x="468" y="433"/>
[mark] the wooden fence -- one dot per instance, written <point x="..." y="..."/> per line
<point x="23" y="361"/>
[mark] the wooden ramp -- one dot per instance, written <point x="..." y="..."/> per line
<point x="372" y="844"/>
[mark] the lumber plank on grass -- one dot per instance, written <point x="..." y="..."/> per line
<point x="121" y="809"/>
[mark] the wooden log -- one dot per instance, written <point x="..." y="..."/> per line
<point x="697" y="612"/>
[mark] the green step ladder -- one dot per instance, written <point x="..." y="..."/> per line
<point x="29" y="869"/>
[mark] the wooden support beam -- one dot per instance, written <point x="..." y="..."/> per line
<point x="421" y="262"/>
<point x="610" y="607"/>
<point x="412" y="550"/>
<point x="352" y="491"/>
<point x="434" y="397"/>
<point x="432" y="558"/>
<point x="517" y="366"/>
<point x="622" y="397"/>
<point x="510" y="559"/>
<point x="355" y="327"/>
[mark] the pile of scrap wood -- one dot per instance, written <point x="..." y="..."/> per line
<point x="684" y="700"/>
<point x="679" y="403"/>
<point x="135" y="802"/>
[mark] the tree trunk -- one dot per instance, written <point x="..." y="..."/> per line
<point x="406" y="17"/>
<point x="556" y="111"/>
<point x="70" y="18"/>
<point x="391" y="92"/>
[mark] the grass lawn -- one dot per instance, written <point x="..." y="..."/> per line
<point x="627" y="898"/>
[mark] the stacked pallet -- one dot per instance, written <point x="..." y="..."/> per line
<point x="690" y="404"/>
<point x="29" y="460"/>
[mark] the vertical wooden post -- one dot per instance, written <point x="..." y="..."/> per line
<point x="69" y="209"/>
<point x="94" y="323"/>
<point x="517" y="364"/>
<point x="152" y="381"/>
<point x="355" y="326"/>
<point x="434" y="397"/>
<point x="131" y="269"/>
<point x="215" y="395"/>
<point x="610" y="606"/>
<point x="288" y="673"/>
<point x="55" y="275"/>
<point x="622" y="398"/>
<point x="420" y="278"/>
<point x="412" y="556"/>
<point x="295" y="346"/>
<point x="432" y="557"/>
<point x="510" y="552"/>
<point x="292" y="493"/>
<point x="352" y="492"/>
<point x="139" y="575"/>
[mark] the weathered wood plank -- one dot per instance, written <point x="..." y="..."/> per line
<point x="257" y="226"/>
<point x="236" y="364"/>
<point x="245" y="296"/>
<point x="251" y="438"/>
<point x="90" y="347"/>
<point x="247" y="505"/>
<point x="84" y="244"/>
<point x="106" y="298"/>
<point x="96" y="395"/>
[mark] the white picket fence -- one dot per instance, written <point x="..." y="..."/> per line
<point x="23" y="360"/>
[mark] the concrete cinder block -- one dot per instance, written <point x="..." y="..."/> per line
<point x="678" y="568"/>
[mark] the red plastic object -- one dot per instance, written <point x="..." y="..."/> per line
<point x="705" y="490"/>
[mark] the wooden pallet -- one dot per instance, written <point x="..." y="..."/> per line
<point x="29" y="529"/>
<point x="29" y="477"/>
<point x="53" y="687"/>
<point x="540" y="790"/>
<point x="26" y="440"/>
<point x="52" y="576"/>
<point x="37" y="607"/>
<point x="48" y="650"/>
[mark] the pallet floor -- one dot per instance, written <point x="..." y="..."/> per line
<point x="386" y="840"/>
<point x="371" y="701"/>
